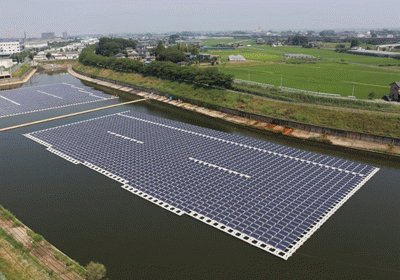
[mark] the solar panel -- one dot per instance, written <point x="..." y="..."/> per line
<point x="41" y="98"/>
<point x="271" y="196"/>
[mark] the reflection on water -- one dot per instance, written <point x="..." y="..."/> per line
<point x="90" y="217"/>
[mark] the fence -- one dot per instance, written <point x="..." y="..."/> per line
<point x="290" y="90"/>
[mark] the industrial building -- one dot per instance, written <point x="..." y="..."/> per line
<point x="36" y="45"/>
<point x="48" y="35"/>
<point x="388" y="47"/>
<point x="299" y="56"/>
<point x="362" y="51"/>
<point x="236" y="58"/>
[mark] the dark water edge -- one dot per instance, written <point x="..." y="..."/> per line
<point x="89" y="217"/>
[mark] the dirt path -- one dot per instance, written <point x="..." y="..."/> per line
<point x="46" y="254"/>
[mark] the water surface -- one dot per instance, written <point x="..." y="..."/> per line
<point x="90" y="217"/>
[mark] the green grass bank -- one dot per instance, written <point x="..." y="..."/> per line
<point x="364" y="121"/>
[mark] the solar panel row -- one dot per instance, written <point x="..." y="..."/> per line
<point x="35" y="99"/>
<point x="271" y="196"/>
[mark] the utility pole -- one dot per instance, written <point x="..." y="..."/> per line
<point x="354" y="86"/>
<point x="248" y="75"/>
<point x="281" y="80"/>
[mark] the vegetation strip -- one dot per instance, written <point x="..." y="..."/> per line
<point x="159" y="69"/>
<point x="358" y="121"/>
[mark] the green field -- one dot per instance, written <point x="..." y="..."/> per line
<point x="333" y="72"/>
<point x="226" y="41"/>
<point x="340" y="116"/>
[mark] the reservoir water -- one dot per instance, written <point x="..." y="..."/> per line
<point x="90" y="217"/>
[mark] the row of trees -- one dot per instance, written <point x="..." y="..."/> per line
<point x="20" y="57"/>
<point x="160" y="69"/>
<point x="112" y="46"/>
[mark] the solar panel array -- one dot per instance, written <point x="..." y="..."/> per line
<point x="41" y="98"/>
<point x="271" y="196"/>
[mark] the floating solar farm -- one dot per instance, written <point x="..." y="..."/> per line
<point x="270" y="196"/>
<point x="35" y="99"/>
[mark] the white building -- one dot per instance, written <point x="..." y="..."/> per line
<point x="36" y="45"/>
<point x="9" y="48"/>
<point x="40" y="57"/>
<point x="236" y="58"/>
<point x="6" y="63"/>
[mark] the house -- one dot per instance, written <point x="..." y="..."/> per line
<point x="236" y="58"/>
<point x="132" y="54"/>
<point x="395" y="91"/>
<point x="120" y="55"/>
<point x="276" y="44"/>
<point x="394" y="94"/>
<point x="207" y="57"/>
<point x="260" y="41"/>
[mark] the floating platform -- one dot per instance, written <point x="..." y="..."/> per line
<point x="48" y="97"/>
<point x="271" y="196"/>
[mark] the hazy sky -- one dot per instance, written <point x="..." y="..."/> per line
<point x="117" y="16"/>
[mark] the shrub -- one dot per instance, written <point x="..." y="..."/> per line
<point x="95" y="271"/>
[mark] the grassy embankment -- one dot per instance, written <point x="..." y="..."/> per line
<point x="386" y="124"/>
<point x="296" y="97"/>
<point x="21" y="261"/>
<point x="333" y="72"/>
<point x="21" y="71"/>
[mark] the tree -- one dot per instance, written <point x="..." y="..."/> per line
<point x="172" y="38"/>
<point x="354" y="43"/>
<point x="298" y="40"/>
<point x="341" y="48"/>
<point x="172" y="54"/>
<point x="112" y="46"/>
<point x="95" y="271"/>
<point x="327" y="33"/>
<point x="188" y="48"/>
<point x="48" y="55"/>
<point x="160" y="48"/>
<point x="20" y="57"/>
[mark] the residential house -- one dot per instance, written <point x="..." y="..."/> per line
<point x="395" y="91"/>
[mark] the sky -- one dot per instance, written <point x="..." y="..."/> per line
<point x="140" y="16"/>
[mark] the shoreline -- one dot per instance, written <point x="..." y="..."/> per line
<point x="361" y="145"/>
<point x="37" y="258"/>
<point x="18" y="82"/>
